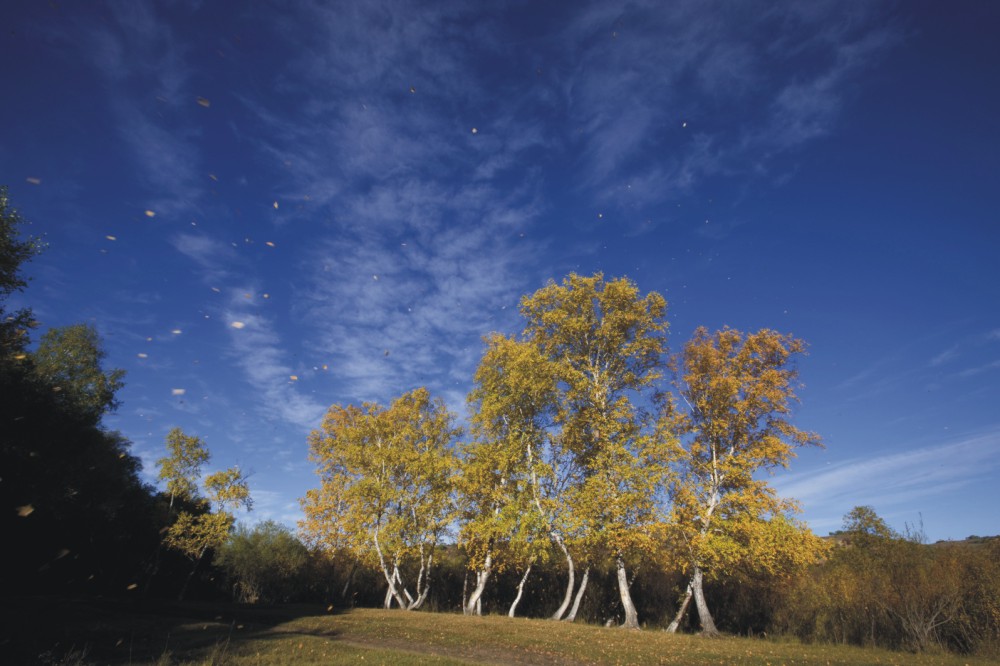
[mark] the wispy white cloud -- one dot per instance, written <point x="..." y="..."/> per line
<point x="897" y="479"/>
<point x="258" y="350"/>
<point x="399" y="314"/>
<point x="945" y="356"/>
<point x="147" y="78"/>
<point x="792" y="90"/>
<point x="167" y="157"/>
<point x="421" y="251"/>
<point x="979" y="369"/>
<point x="207" y="252"/>
<point x="424" y="245"/>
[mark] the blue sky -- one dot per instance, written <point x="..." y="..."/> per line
<point x="268" y="208"/>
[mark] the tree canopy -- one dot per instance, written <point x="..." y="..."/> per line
<point x="14" y="252"/>
<point x="385" y="490"/>
<point x="731" y="409"/>
<point x="560" y="402"/>
<point x="69" y="359"/>
<point x="181" y="467"/>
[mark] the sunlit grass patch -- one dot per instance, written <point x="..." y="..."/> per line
<point x="498" y="639"/>
<point x="228" y="635"/>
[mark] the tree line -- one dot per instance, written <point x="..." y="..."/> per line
<point x="598" y="477"/>
<point x="587" y="443"/>
<point x="592" y="455"/>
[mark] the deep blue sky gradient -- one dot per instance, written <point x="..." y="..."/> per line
<point x="352" y="194"/>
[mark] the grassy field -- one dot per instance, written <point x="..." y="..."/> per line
<point x="49" y="631"/>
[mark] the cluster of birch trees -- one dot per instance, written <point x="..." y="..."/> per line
<point x="587" y="444"/>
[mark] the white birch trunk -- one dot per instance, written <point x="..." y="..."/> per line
<point x="419" y="601"/>
<point x="704" y="616"/>
<point x="520" y="590"/>
<point x="423" y="583"/>
<point x="389" y="578"/>
<point x="571" y="579"/>
<point x="672" y="627"/>
<point x="482" y="576"/>
<point x="579" y="596"/>
<point x="406" y="592"/>
<point x="631" y="614"/>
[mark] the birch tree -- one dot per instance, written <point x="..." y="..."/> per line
<point x="181" y="467"/>
<point x="386" y="488"/>
<point x="505" y="480"/>
<point x="736" y="395"/>
<point x="195" y="534"/>
<point x="606" y="345"/>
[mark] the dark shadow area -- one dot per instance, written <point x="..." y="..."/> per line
<point x="44" y="630"/>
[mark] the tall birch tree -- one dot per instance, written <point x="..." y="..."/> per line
<point x="606" y="345"/>
<point x="181" y="467"/>
<point x="386" y="488"/>
<point x="736" y="392"/>
<point x="505" y="481"/>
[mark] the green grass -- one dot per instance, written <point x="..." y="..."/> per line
<point x="87" y="632"/>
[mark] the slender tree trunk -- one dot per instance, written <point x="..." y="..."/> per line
<point x="704" y="616"/>
<point x="631" y="615"/>
<point x="410" y="602"/>
<point x="571" y="581"/>
<point x="421" y="589"/>
<point x="579" y="596"/>
<point x="387" y="604"/>
<point x="423" y="580"/>
<point x="672" y="628"/>
<point x="421" y="597"/>
<point x="520" y="590"/>
<point x="419" y="601"/>
<point x="482" y="576"/>
<point x="389" y="578"/>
